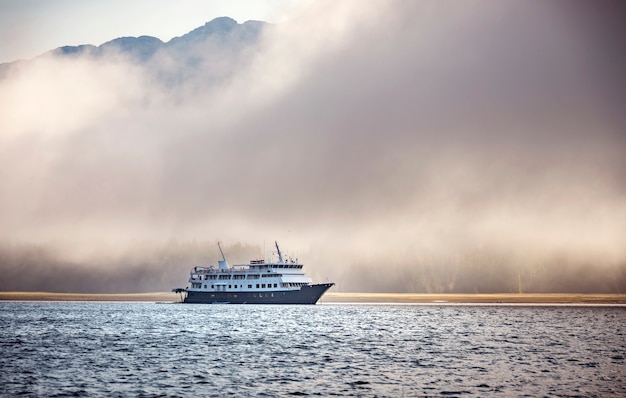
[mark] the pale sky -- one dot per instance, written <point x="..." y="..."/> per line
<point x="31" y="27"/>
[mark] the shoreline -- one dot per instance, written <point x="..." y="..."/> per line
<point x="468" y="298"/>
<point x="333" y="297"/>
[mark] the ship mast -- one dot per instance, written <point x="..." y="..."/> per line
<point x="220" y="247"/>
<point x="280" y="256"/>
<point x="223" y="264"/>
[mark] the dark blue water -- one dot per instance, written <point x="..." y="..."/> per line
<point x="145" y="349"/>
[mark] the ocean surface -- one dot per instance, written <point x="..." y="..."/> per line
<point x="55" y="349"/>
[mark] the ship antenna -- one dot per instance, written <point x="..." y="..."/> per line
<point x="280" y="256"/>
<point x="220" y="247"/>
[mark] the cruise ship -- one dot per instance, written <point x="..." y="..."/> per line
<point x="258" y="282"/>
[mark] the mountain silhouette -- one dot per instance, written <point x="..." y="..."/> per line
<point x="207" y="52"/>
<point x="222" y="32"/>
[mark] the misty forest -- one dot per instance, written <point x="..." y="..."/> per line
<point x="406" y="147"/>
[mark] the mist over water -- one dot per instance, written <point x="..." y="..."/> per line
<point x="397" y="146"/>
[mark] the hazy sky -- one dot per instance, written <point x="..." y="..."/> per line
<point x="366" y="130"/>
<point x="31" y="27"/>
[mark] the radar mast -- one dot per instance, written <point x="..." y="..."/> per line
<point x="223" y="264"/>
<point x="280" y="256"/>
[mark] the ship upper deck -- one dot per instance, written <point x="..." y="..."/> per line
<point x="251" y="267"/>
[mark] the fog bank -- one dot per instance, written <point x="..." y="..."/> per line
<point x="397" y="146"/>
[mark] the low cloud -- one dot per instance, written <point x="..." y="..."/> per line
<point x="425" y="140"/>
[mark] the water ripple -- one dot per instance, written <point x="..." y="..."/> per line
<point x="150" y="350"/>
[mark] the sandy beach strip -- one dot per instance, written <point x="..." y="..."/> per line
<point x="513" y="298"/>
<point x="48" y="296"/>
<point x="335" y="297"/>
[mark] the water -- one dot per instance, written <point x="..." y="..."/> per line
<point x="146" y="349"/>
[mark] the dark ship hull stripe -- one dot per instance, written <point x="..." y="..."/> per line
<point x="306" y="295"/>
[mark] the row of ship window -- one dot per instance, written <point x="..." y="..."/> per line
<point x="234" y="295"/>
<point x="258" y="286"/>
<point x="227" y="277"/>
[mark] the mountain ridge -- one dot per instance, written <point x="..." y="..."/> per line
<point x="142" y="48"/>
